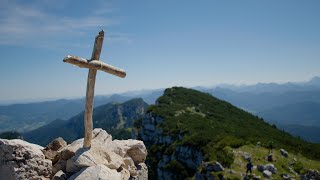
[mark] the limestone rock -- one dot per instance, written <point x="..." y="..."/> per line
<point x="271" y="168"/>
<point x="142" y="172"/>
<point x="246" y="156"/>
<point x="284" y="152"/>
<point x="267" y="173"/>
<point x="60" y="165"/>
<point x="121" y="159"/>
<point x="51" y="151"/>
<point x="86" y="157"/>
<point x="134" y="149"/>
<point x="311" y="174"/>
<point x="57" y="144"/>
<point x="100" y="138"/>
<point x="99" y="171"/>
<point x="60" y="175"/>
<point x="129" y="165"/>
<point x="23" y="160"/>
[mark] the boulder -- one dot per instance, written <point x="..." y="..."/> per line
<point x="57" y="144"/>
<point x="51" y="151"/>
<point x="86" y="157"/>
<point x="60" y="175"/>
<point x="284" y="152"/>
<point x="246" y="156"/>
<point x="311" y="174"/>
<point x="60" y="165"/>
<point x="132" y="148"/>
<point x="216" y="167"/>
<point x="267" y="173"/>
<point x="271" y="168"/>
<point x="142" y="172"/>
<point x="23" y="160"/>
<point x="99" y="138"/>
<point x="261" y="168"/>
<point x="129" y="165"/>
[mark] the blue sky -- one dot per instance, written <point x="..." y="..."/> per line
<point x="159" y="43"/>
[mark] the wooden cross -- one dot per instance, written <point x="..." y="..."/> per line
<point x="93" y="64"/>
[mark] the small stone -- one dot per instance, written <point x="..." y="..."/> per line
<point x="246" y="156"/>
<point x="60" y="175"/>
<point x="267" y="173"/>
<point x="271" y="168"/>
<point x="261" y="168"/>
<point x="284" y="153"/>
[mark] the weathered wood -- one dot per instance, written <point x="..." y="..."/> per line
<point x="90" y="92"/>
<point x="95" y="64"/>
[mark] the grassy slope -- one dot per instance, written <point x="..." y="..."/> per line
<point x="259" y="157"/>
<point x="210" y="125"/>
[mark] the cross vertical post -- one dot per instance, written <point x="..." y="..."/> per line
<point x="88" y="126"/>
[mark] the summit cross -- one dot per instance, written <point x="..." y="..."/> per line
<point x="93" y="65"/>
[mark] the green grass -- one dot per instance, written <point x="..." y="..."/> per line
<point x="210" y="125"/>
<point x="259" y="155"/>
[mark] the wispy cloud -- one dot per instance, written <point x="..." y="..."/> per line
<point x="41" y="23"/>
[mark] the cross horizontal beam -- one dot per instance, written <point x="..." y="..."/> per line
<point x="94" y="64"/>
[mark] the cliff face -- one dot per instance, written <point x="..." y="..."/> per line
<point x="166" y="164"/>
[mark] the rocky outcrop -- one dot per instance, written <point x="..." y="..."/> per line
<point x="284" y="152"/>
<point x="207" y="169"/>
<point x="96" y="172"/>
<point x="23" y="160"/>
<point x="267" y="173"/>
<point x="311" y="174"/>
<point x="105" y="159"/>
<point x="187" y="156"/>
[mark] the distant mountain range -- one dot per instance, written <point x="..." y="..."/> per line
<point x="286" y="105"/>
<point x="29" y="116"/>
<point x="116" y="118"/>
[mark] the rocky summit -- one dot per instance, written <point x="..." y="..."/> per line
<point x="105" y="159"/>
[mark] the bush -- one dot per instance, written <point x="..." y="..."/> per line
<point x="225" y="156"/>
<point x="298" y="166"/>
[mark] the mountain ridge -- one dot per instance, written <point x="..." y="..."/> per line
<point x="116" y="118"/>
<point x="186" y="127"/>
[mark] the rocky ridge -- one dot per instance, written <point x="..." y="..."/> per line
<point x="105" y="159"/>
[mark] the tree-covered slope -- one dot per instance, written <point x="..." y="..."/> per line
<point x="115" y="118"/>
<point x="29" y="116"/>
<point x="186" y="118"/>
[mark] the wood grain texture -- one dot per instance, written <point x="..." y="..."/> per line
<point x="88" y="126"/>
<point x="95" y="64"/>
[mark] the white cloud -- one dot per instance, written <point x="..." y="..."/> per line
<point x="32" y="23"/>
